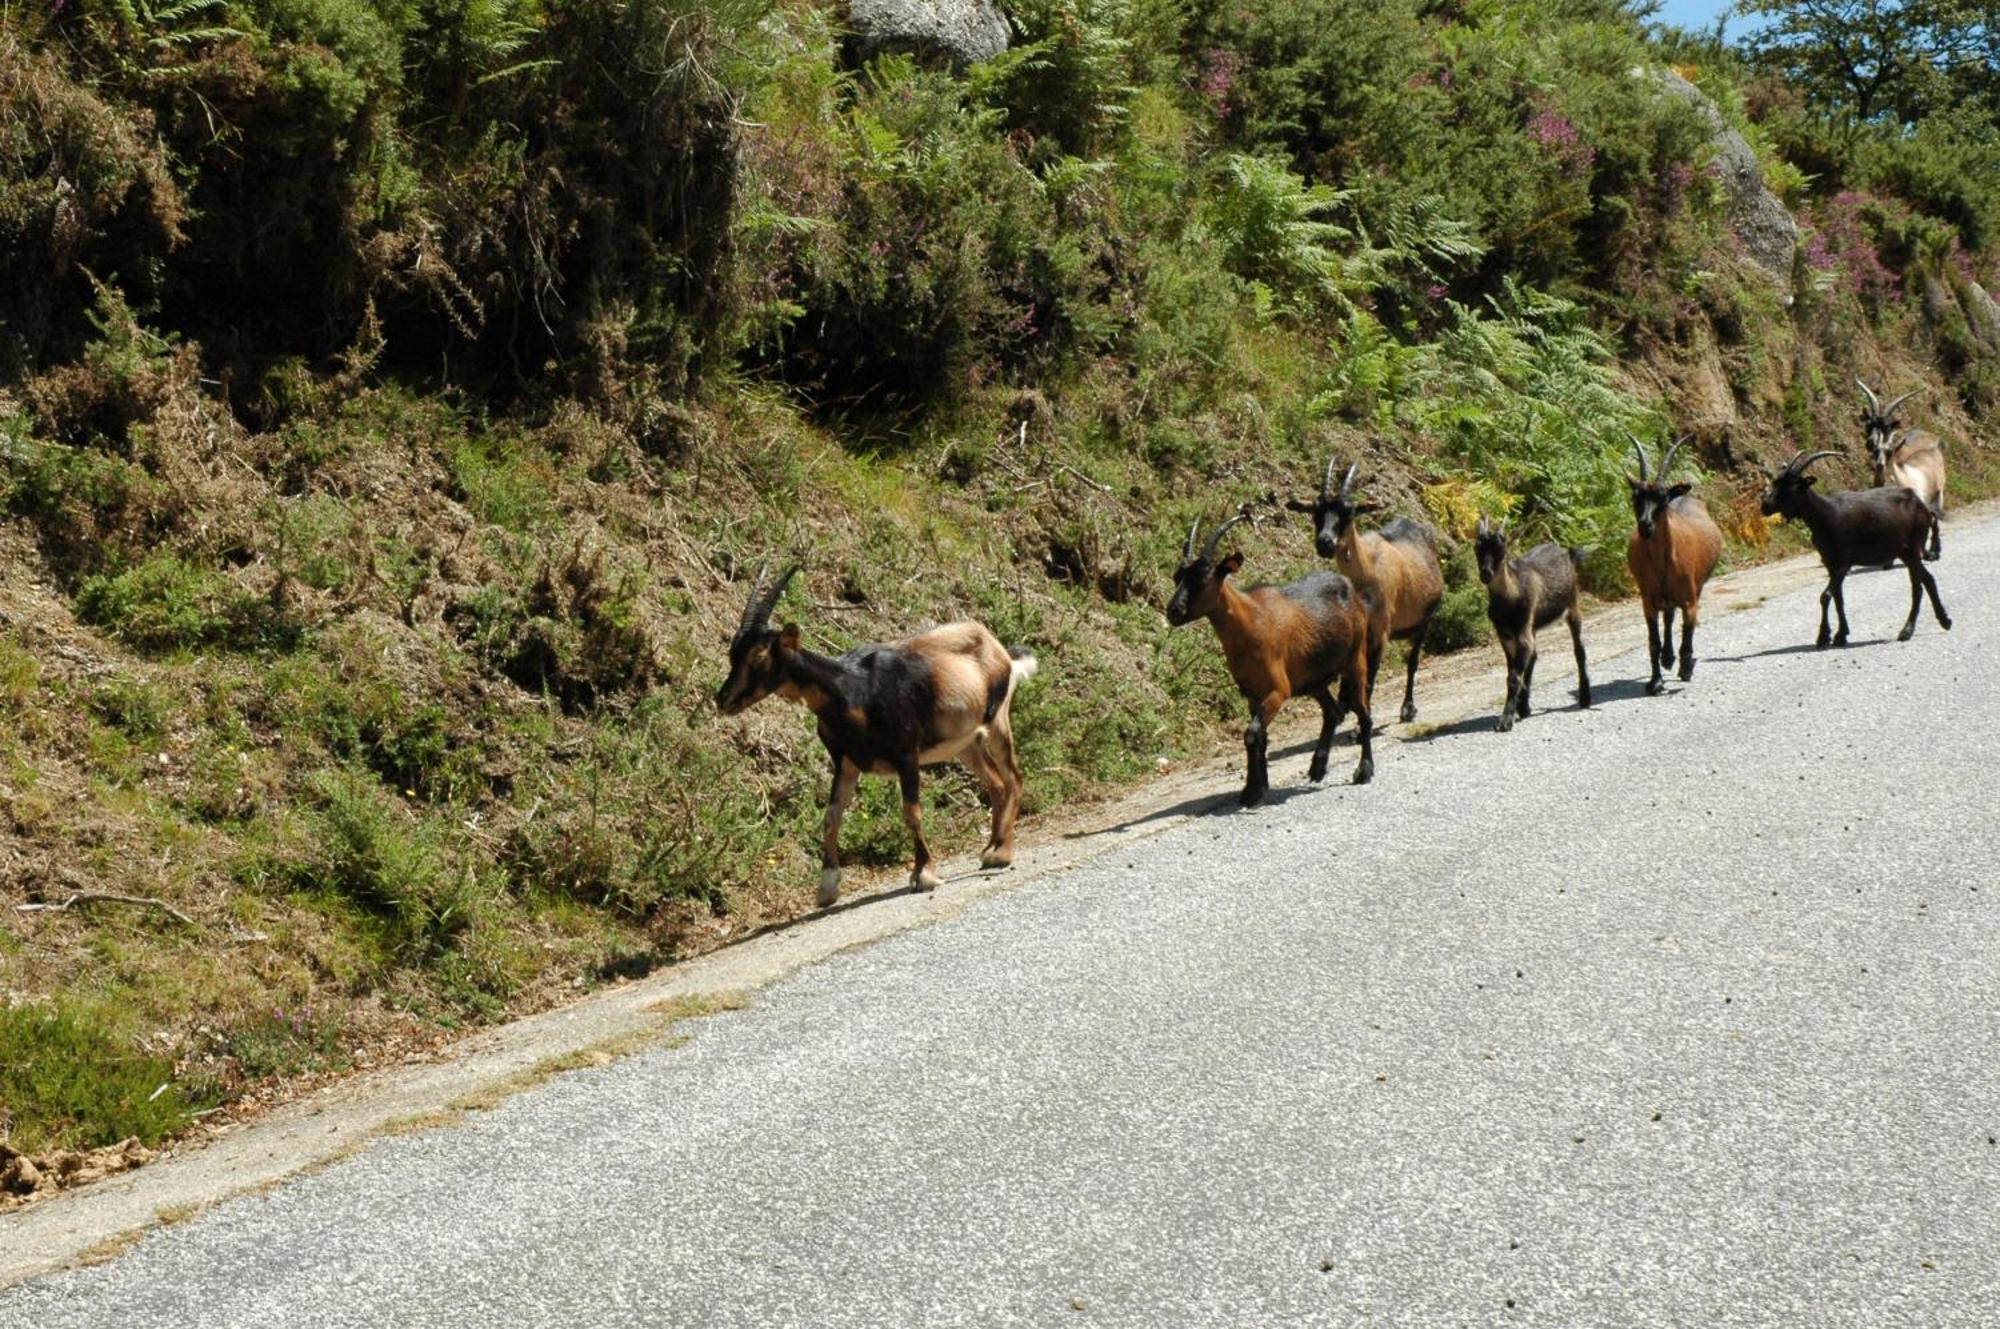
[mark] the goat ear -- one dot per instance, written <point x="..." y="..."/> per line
<point x="788" y="636"/>
<point x="1682" y="488"/>
<point x="1300" y="505"/>
<point x="1367" y="505"/>
<point x="1227" y="567"/>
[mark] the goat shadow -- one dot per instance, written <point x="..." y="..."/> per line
<point x="1214" y="805"/>
<point x="1799" y="648"/>
<point x="1488" y="722"/>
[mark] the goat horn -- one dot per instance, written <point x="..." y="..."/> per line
<point x="1799" y="463"/>
<point x="1347" y="481"/>
<point x="1667" y="462"/>
<point x="1874" y="402"/>
<point x="1890" y="409"/>
<point x="1326" y="484"/>
<point x="1215" y="536"/>
<point x="1187" y="550"/>
<point x="756" y="598"/>
<point x="769" y="600"/>
<point x="1639" y="451"/>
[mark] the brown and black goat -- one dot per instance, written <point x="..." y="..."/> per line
<point x="1857" y="527"/>
<point x="1307" y="636"/>
<point x="1672" y="552"/>
<point x="1522" y="595"/>
<point x="1396" y="567"/>
<point x="1912" y="458"/>
<point x="939" y="696"/>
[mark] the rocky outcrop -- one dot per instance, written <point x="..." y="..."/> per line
<point x="1758" y="216"/>
<point x="956" y="32"/>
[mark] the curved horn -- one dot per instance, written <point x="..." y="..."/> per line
<point x="1639" y="451"/>
<point x="756" y="598"/>
<point x="761" y="607"/>
<point x="1326" y="484"/>
<point x="1874" y="402"/>
<point x="1347" y="481"/>
<point x="1215" y="536"/>
<point x="1890" y="409"/>
<point x="1798" y="464"/>
<point x="1667" y="462"/>
<point x="1187" y="550"/>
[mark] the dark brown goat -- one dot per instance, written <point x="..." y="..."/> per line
<point x="1672" y="552"/>
<point x="1857" y="528"/>
<point x="939" y="696"/>
<point x="1307" y="636"/>
<point x="1522" y="595"/>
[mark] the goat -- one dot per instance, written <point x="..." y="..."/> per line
<point x="1857" y="526"/>
<point x="1303" y="637"/>
<point x="1522" y="595"/>
<point x="1912" y="458"/>
<point x="1672" y="551"/>
<point x="941" y="695"/>
<point x="1398" y="563"/>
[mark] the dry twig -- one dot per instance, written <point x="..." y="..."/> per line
<point x="105" y="897"/>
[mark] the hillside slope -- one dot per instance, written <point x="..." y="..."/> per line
<point x="401" y="396"/>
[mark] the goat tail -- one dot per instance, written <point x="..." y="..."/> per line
<point x="1577" y="553"/>
<point x="1024" y="664"/>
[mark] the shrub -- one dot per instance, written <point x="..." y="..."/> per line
<point x="68" y="1082"/>
<point x="169" y="604"/>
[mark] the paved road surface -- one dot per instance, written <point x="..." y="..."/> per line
<point x="1680" y="1012"/>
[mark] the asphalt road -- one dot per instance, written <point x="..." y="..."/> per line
<point x="1684" y="1011"/>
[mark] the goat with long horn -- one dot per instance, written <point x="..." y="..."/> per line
<point x="1395" y="567"/>
<point x="1308" y="636"/>
<point x="1854" y="527"/>
<point x="1912" y="458"/>
<point x="1672" y="551"/>
<point x="939" y="696"/>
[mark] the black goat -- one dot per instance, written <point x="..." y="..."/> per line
<point x="889" y="710"/>
<point x="1857" y="527"/>
<point x="1522" y="595"/>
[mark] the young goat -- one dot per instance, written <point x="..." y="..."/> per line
<point x="1857" y="526"/>
<point x="1397" y="567"/>
<point x="1303" y="637"/>
<point x="1912" y="458"/>
<point x="1522" y="595"/>
<point x="1673" y="549"/>
<point x="889" y="710"/>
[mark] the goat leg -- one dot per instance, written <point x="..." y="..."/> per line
<point x="1666" y="645"/>
<point x="1257" y="782"/>
<point x="1840" y="606"/>
<point x="1330" y="712"/>
<point x="1687" y="643"/>
<point x="921" y="876"/>
<point x="845" y="776"/>
<point x="1825" y="632"/>
<point x="1364" y="771"/>
<point x="1529" y="655"/>
<point x="1410" y="674"/>
<point x="1508" y="648"/>
<point x="1658" y="652"/>
<point x="1582" y="666"/>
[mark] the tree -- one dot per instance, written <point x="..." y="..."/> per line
<point x="1862" y="61"/>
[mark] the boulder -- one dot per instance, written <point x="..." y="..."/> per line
<point x="956" y="32"/>
<point x="1758" y="216"/>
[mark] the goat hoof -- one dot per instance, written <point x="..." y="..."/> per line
<point x="1656" y="687"/>
<point x="1252" y="797"/>
<point x="1316" y="772"/>
<point x="829" y="887"/>
<point x="1506" y="724"/>
<point x="925" y="880"/>
<point x="996" y="858"/>
<point x="1686" y="673"/>
<point x="1583" y="699"/>
<point x="1944" y="621"/>
<point x="1364" y="772"/>
<point x="1840" y="639"/>
<point x="1409" y="712"/>
<point x="1821" y="643"/>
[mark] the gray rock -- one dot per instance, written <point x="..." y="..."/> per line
<point x="1763" y="222"/>
<point x="960" y="32"/>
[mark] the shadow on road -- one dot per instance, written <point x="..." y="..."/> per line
<point x="1800" y="648"/>
<point x="1281" y="792"/>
